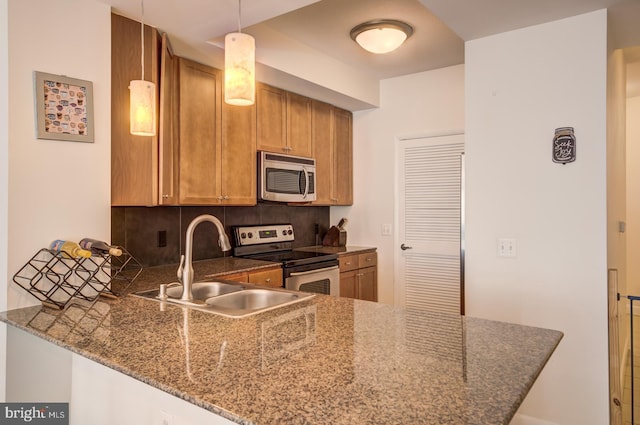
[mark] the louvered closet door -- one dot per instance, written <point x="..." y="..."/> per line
<point x="430" y="223"/>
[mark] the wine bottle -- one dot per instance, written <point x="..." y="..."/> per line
<point x="69" y="249"/>
<point x="100" y="247"/>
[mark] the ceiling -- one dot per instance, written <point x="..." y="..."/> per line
<point x="304" y="45"/>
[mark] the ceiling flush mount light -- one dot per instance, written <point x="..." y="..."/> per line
<point x="381" y="36"/>
<point x="142" y="98"/>
<point x="239" y="67"/>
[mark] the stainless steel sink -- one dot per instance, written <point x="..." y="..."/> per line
<point x="253" y="300"/>
<point x="228" y="299"/>
<point x="205" y="290"/>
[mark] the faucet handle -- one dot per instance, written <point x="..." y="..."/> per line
<point x="180" y="268"/>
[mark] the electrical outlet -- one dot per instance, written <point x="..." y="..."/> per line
<point x="506" y="247"/>
<point x="162" y="238"/>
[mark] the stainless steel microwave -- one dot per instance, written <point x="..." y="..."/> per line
<point x="286" y="178"/>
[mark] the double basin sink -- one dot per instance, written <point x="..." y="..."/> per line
<point x="227" y="299"/>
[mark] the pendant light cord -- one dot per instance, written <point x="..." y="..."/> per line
<point x="142" y="36"/>
<point x="239" y="15"/>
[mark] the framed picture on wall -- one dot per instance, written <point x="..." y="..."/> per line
<point x="64" y="108"/>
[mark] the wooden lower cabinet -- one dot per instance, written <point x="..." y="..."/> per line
<point x="271" y="277"/>
<point x="264" y="277"/>
<point x="359" y="276"/>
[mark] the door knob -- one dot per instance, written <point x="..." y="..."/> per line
<point x="404" y="247"/>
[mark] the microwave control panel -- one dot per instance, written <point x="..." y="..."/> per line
<point x="253" y="235"/>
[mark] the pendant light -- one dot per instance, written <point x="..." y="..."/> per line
<point x="381" y="36"/>
<point x="142" y="100"/>
<point x="239" y="67"/>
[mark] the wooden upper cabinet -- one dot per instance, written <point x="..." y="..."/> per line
<point x="284" y="121"/>
<point x="298" y="125"/>
<point x="271" y="118"/>
<point x="343" y="157"/>
<point x="134" y="159"/>
<point x="169" y="128"/>
<point x="333" y="151"/>
<point x="238" y="165"/>
<point x="217" y="141"/>
<point x="200" y="133"/>
<point x="323" y="149"/>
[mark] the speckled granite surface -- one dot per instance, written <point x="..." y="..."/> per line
<point x="340" y="250"/>
<point x="327" y="360"/>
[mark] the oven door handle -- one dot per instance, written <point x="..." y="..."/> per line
<point x="314" y="271"/>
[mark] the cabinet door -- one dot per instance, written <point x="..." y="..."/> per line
<point x="236" y="277"/>
<point x="200" y="175"/>
<point x="238" y="155"/>
<point x="134" y="159"/>
<point x="367" y="281"/>
<point x="368" y="259"/>
<point x="298" y="125"/>
<point x="168" y="133"/>
<point x="272" y="277"/>
<point x="348" y="262"/>
<point x="348" y="284"/>
<point x="343" y="157"/>
<point x="271" y="105"/>
<point x="322" y="144"/>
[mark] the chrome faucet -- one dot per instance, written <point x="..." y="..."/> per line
<point x="185" y="272"/>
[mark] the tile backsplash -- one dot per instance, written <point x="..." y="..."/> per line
<point x="137" y="228"/>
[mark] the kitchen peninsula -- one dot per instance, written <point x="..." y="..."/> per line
<point x="327" y="360"/>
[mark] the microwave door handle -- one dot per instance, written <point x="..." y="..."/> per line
<point x="306" y="183"/>
<point x="314" y="271"/>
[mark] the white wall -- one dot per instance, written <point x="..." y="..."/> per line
<point x="520" y="86"/>
<point x="4" y="174"/>
<point x="426" y="103"/>
<point x="55" y="190"/>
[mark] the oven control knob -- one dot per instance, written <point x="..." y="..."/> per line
<point x="284" y="232"/>
<point x="289" y="231"/>
<point x="250" y="235"/>
<point x="243" y="235"/>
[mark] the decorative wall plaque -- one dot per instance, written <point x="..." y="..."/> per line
<point x="564" y="145"/>
<point x="64" y="108"/>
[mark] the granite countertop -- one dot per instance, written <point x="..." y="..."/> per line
<point x="326" y="360"/>
<point x="340" y="250"/>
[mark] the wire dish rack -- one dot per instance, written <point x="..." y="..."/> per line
<point x="56" y="279"/>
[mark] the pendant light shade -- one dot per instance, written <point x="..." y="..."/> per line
<point x="382" y="36"/>
<point x="142" y="107"/>
<point x="239" y="69"/>
<point x="142" y="97"/>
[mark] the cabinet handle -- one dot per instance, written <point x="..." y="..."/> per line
<point x="226" y="197"/>
<point x="165" y="196"/>
<point x="369" y="258"/>
<point x="334" y="199"/>
<point x="348" y="263"/>
<point x="268" y="280"/>
<point x="220" y="198"/>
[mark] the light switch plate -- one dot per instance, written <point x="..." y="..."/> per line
<point x="386" y="230"/>
<point x="507" y="247"/>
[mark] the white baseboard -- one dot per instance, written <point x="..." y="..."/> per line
<point x="519" y="419"/>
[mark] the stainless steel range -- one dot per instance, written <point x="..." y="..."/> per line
<point x="302" y="271"/>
